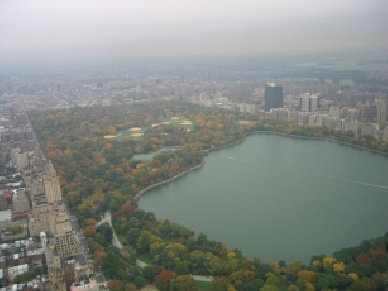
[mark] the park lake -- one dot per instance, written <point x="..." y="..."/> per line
<point x="281" y="198"/>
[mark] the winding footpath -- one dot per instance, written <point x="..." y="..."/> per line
<point x="107" y="217"/>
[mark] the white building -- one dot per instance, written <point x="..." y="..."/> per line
<point x="16" y="270"/>
<point x="90" y="285"/>
<point x="308" y="103"/>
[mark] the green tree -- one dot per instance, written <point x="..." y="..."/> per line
<point x="144" y="241"/>
<point x="181" y="268"/>
<point x="150" y="271"/>
<point x="104" y="234"/>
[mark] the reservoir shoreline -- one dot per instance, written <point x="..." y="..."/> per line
<point x="177" y="176"/>
<point x="245" y="180"/>
<point x="208" y="151"/>
<point x="319" y="138"/>
<point x="142" y="192"/>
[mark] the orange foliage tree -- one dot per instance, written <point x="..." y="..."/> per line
<point x="127" y="208"/>
<point x="163" y="279"/>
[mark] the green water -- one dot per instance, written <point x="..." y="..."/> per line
<point x="278" y="197"/>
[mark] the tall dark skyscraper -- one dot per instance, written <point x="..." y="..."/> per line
<point x="273" y="96"/>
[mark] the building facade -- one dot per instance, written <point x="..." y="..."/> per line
<point x="381" y="116"/>
<point x="273" y="96"/>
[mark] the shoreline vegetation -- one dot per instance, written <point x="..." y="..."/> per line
<point x="206" y="152"/>
<point x="328" y="138"/>
<point x="99" y="174"/>
<point x="177" y="176"/>
<point x="194" y="168"/>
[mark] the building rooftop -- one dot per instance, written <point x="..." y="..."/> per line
<point x="6" y="215"/>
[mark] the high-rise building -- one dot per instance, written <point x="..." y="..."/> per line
<point x="273" y="96"/>
<point x="56" y="271"/>
<point x="381" y="117"/>
<point x="308" y="103"/>
<point x="51" y="184"/>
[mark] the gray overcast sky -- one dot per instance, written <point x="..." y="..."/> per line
<point x="114" y="29"/>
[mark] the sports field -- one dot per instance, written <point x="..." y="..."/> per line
<point x="137" y="133"/>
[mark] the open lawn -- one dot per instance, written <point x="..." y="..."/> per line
<point x="145" y="258"/>
<point x="203" y="286"/>
<point x="137" y="133"/>
<point x="180" y="122"/>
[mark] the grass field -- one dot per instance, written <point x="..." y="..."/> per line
<point x="145" y="258"/>
<point x="180" y="122"/>
<point x="203" y="286"/>
<point x="137" y="133"/>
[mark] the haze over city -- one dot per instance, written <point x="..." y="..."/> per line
<point x="161" y="145"/>
<point x="44" y="31"/>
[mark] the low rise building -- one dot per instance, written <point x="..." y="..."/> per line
<point x="20" y="201"/>
<point x="89" y="285"/>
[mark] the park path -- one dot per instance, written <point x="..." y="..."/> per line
<point x="107" y="217"/>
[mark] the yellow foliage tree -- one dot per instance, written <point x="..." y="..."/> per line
<point x="220" y="126"/>
<point x="309" y="287"/>
<point x="97" y="197"/>
<point x="353" y="276"/>
<point x="275" y="266"/>
<point x="293" y="287"/>
<point x="339" y="267"/>
<point x="328" y="262"/>
<point x="154" y="172"/>
<point x="112" y="130"/>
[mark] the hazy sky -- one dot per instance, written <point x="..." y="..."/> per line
<point x="109" y="29"/>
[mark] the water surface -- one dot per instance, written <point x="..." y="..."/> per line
<point x="277" y="197"/>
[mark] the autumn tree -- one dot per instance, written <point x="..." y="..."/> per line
<point x="219" y="284"/>
<point x="163" y="279"/>
<point x="127" y="208"/>
<point x="306" y="275"/>
<point x="130" y="287"/>
<point x="115" y="285"/>
<point x="99" y="256"/>
<point x="363" y="259"/>
<point x="183" y="283"/>
<point x="150" y="272"/>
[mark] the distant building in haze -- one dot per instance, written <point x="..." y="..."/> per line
<point x="273" y="96"/>
<point x="308" y="103"/>
<point x="381" y="116"/>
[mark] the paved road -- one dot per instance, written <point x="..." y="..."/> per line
<point x="202" y="278"/>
